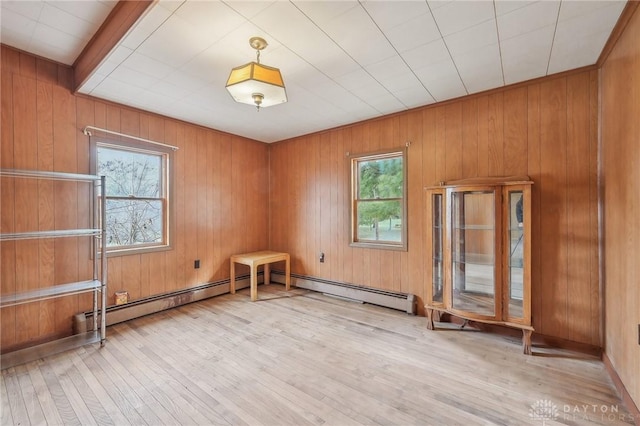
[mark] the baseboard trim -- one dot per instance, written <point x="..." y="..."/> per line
<point x="389" y="299"/>
<point x="151" y="305"/>
<point x="622" y="390"/>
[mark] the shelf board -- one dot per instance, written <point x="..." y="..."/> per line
<point x="33" y="353"/>
<point x="49" y="293"/>
<point x="475" y="227"/>
<point x="50" y="234"/>
<point x="41" y="174"/>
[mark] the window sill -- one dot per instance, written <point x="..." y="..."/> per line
<point x="137" y="250"/>
<point x="379" y="246"/>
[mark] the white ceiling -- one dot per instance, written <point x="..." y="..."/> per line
<point x="342" y="61"/>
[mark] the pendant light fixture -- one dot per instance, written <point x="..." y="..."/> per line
<point x="257" y="84"/>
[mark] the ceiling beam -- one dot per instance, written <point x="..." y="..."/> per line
<point x="122" y="17"/>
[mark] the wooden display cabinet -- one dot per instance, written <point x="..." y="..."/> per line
<point x="480" y="234"/>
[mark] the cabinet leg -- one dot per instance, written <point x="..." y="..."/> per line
<point x="526" y="341"/>
<point x="430" y="325"/>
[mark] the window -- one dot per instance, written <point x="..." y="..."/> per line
<point x="137" y="196"/>
<point x="378" y="191"/>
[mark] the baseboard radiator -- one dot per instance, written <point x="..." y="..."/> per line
<point x="120" y="313"/>
<point x="389" y="299"/>
<point x="117" y="314"/>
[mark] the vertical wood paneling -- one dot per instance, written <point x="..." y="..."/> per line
<point x="594" y="239"/>
<point x="411" y="130"/>
<point x="312" y="207"/>
<point x="440" y="156"/>
<point x="483" y="136"/>
<point x="84" y="114"/>
<point x="534" y="172"/>
<point x="46" y="202"/>
<point x="578" y="212"/>
<point x="41" y="129"/>
<point x="515" y="132"/>
<point x="28" y="65"/>
<point x="7" y="196"/>
<point x="470" y="138"/>
<point x="277" y="160"/>
<point x="66" y="205"/>
<point x="453" y="141"/>
<point x="202" y="211"/>
<point x="553" y="236"/>
<point x="534" y="129"/>
<point x="496" y="134"/>
<point x="358" y="145"/>
<point x="345" y="144"/>
<point x="326" y="203"/>
<point x="173" y="134"/>
<point x="429" y="177"/>
<point x="218" y="261"/>
<point x="620" y="91"/>
<point x="191" y="196"/>
<point x="46" y="71"/>
<point x="25" y="135"/>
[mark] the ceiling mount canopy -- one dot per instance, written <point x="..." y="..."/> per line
<point x="257" y="84"/>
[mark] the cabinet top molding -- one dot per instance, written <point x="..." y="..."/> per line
<point x="484" y="180"/>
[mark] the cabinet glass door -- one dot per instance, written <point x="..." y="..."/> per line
<point x="437" y="248"/>
<point x="515" y="244"/>
<point x="473" y="252"/>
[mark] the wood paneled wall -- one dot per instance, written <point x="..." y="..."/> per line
<point x="221" y="193"/>
<point x="546" y="129"/>
<point x="620" y="88"/>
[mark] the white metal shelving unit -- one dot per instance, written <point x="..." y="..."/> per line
<point x="97" y="285"/>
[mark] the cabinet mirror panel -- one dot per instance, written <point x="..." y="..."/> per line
<point x="473" y="252"/>
<point x="516" y="253"/>
<point x="437" y="249"/>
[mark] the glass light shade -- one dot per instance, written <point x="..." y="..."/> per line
<point x="254" y="78"/>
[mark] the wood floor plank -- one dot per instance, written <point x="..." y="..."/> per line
<point x="119" y="391"/>
<point x="47" y="403"/>
<point x="302" y="358"/>
<point x="153" y="413"/>
<point x="31" y="402"/>
<point x="152" y="376"/>
<point x="67" y="413"/>
<point x="110" y="412"/>
<point x="5" y="408"/>
<point x="63" y="369"/>
<point x="15" y="402"/>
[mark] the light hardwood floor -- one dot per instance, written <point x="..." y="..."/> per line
<point x="299" y="357"/>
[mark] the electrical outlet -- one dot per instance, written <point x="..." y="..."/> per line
<point x="321" y="257"/>
<point x="196" y="264"/>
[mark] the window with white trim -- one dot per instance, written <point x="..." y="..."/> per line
<point x="137" y="196"/>
<point x="378" y="195"/>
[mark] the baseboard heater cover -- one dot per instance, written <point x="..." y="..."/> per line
<point x="120" y="313"/>
<point x="389" y="299"/>
<point x="151" y="305"/>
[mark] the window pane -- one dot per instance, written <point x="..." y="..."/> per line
<point x="130" y="173"/>
<point x="131" y="222"/>
<point x="380" y="221"/>
<point x="381" y="178"/>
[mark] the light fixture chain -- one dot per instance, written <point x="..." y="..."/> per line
<point x="258" y="56"/>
